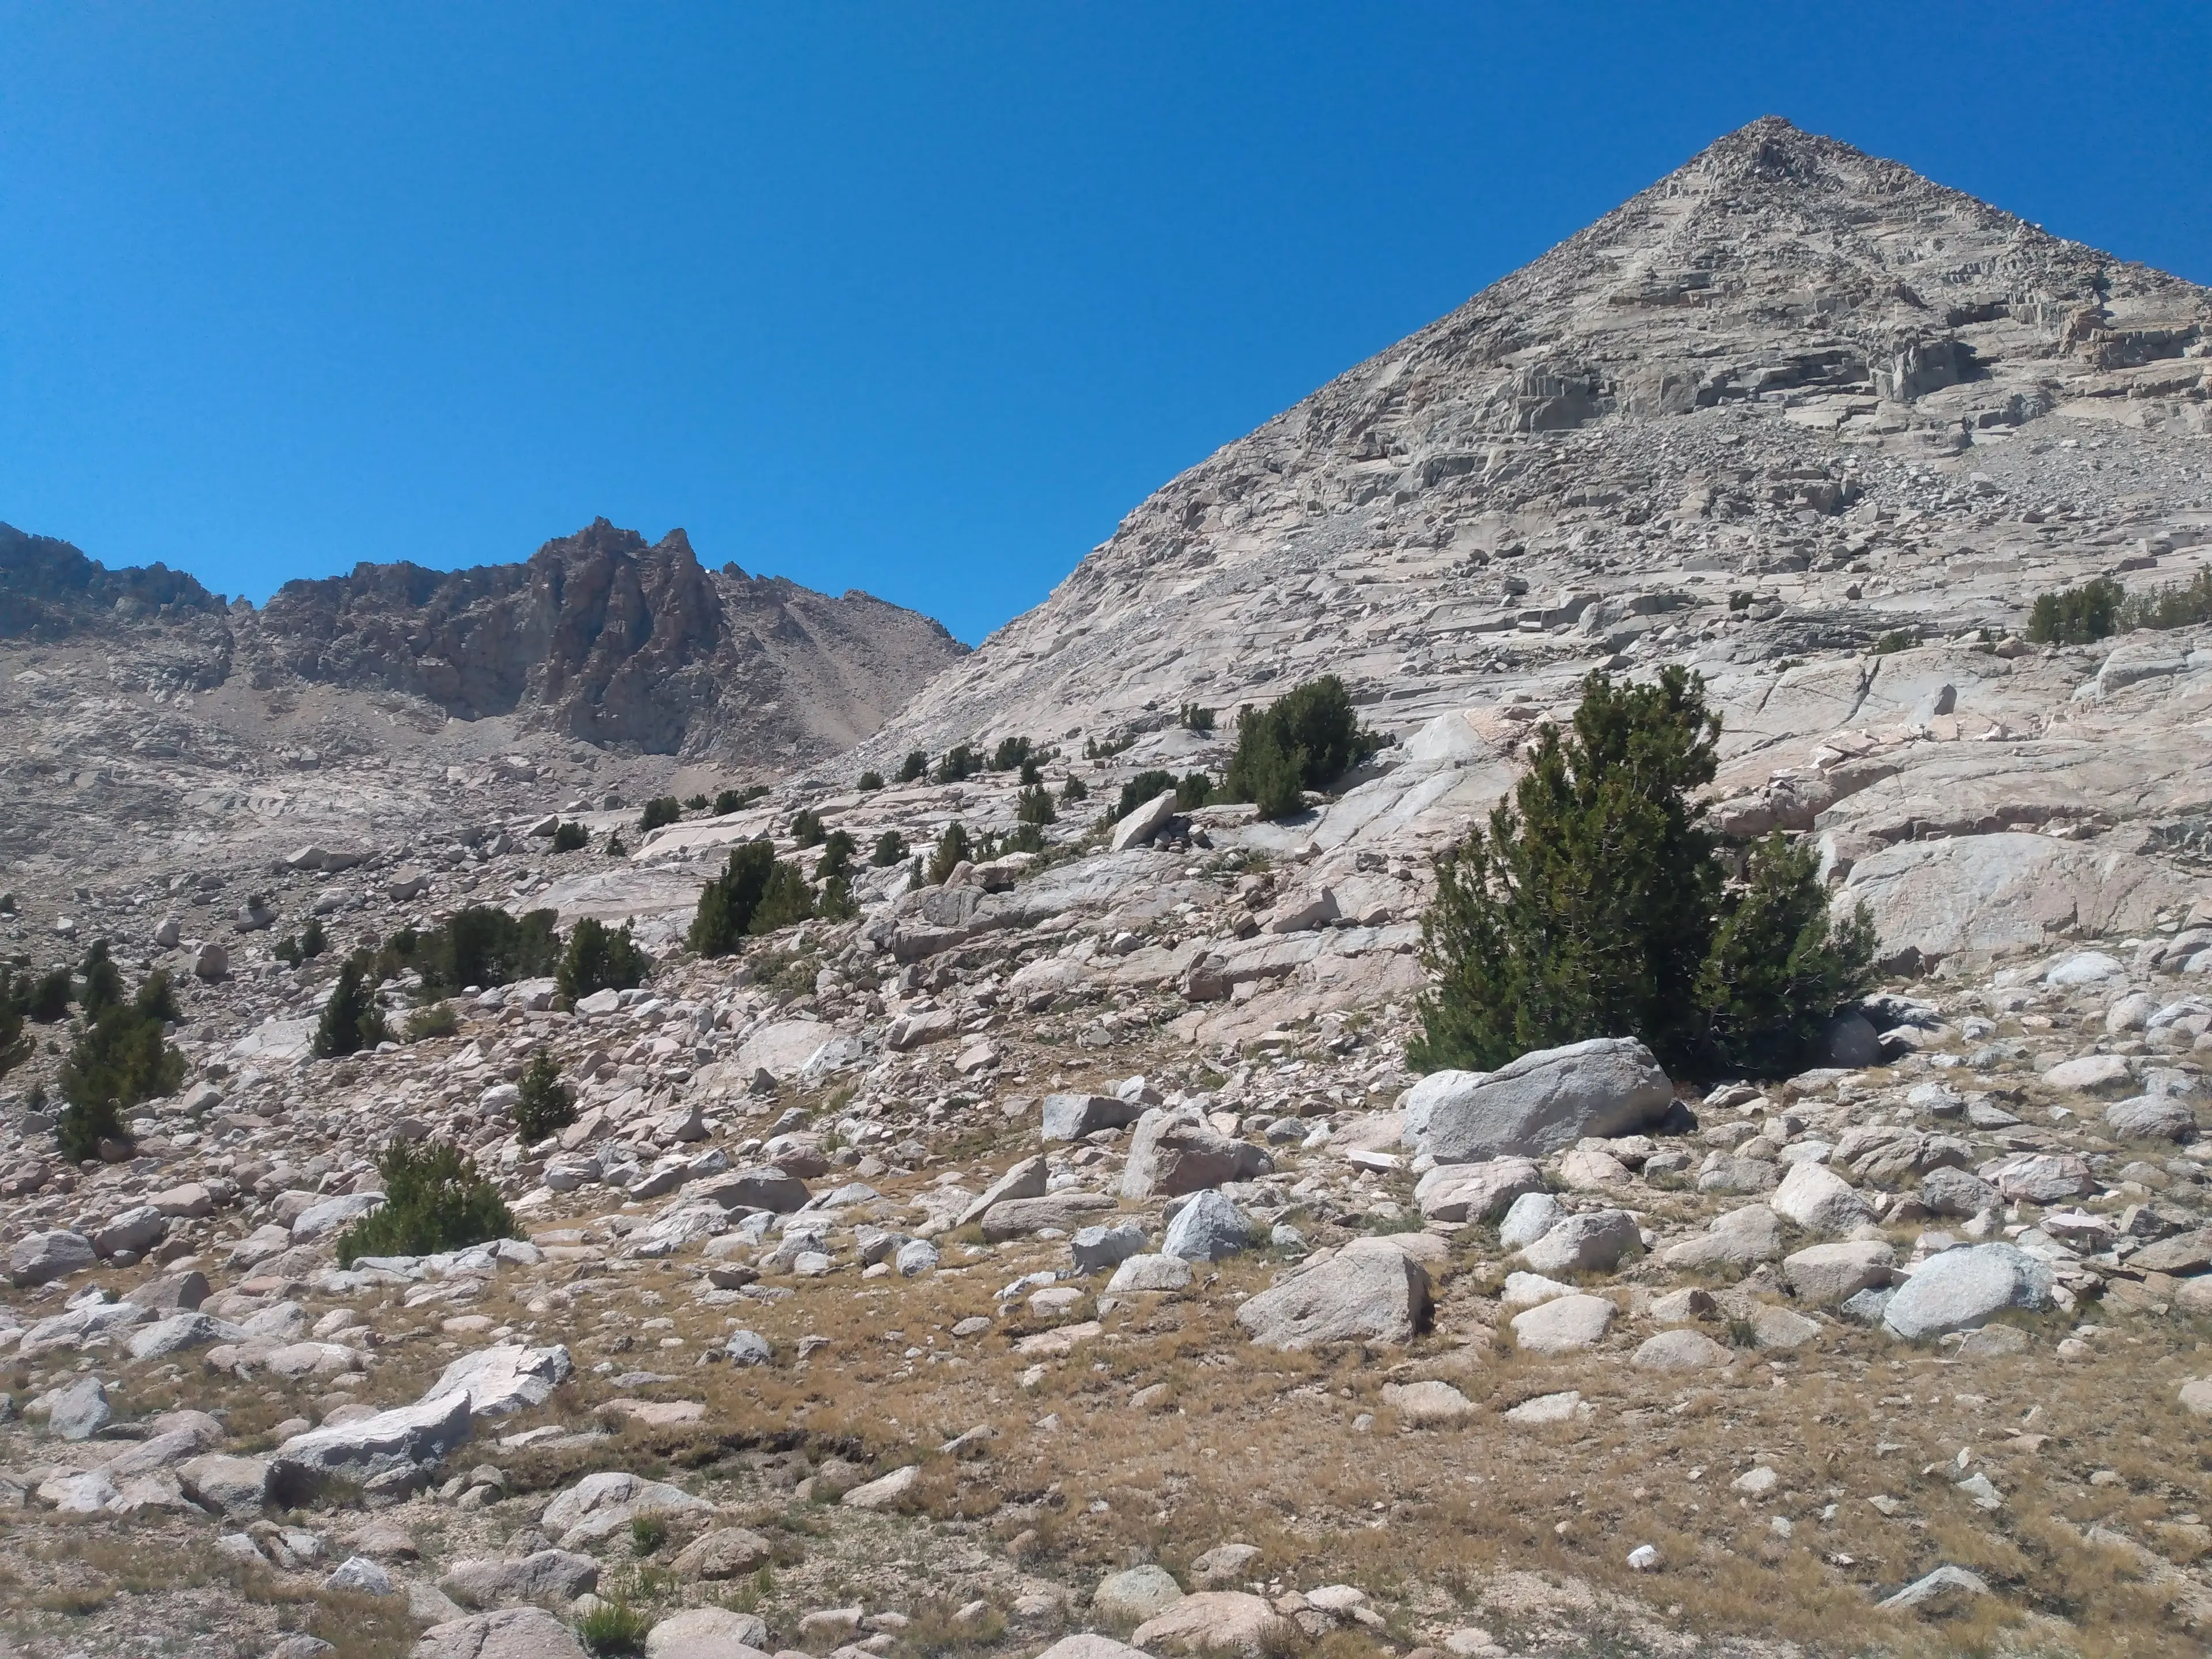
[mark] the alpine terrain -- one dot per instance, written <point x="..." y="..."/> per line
<point x="602" y="1106"/>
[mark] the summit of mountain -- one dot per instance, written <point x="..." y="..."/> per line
<point x="1739" y="367"/>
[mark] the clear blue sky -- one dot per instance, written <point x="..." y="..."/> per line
<point x="914" y="298"/>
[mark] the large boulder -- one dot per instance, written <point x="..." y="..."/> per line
<point x="1476" y="1192"/>
<point x="1026" y="1179"/>
<point x="233" y="1487"/>
<point x="708" y="1633"/>
<point x="1215" y="1621"/>
<point x="1066" y="1212"/>
<point x="1827" y="1275"/>
<point x="1208" y="1228"/>
<point x="542" y="1576"/>
<point x="505" y="1379"/>
<point x="1097" y="1248"/>
<point x="1369" y="1291"/>
<point x="1070" y="1117"/>
<point x="41" y="1258"/>
<point x="1134" y="1595"/>
<point x="1177" y="1153"/>
<point x="1820" y="1201"/>
<point x="1563" y="1324"/>
<point x="1539" y="1105"/>
<point x="761" y="1186"/>
<point x="1739" y="1238"/>
<point x="1143" y="822"/>
<point x="513" y="1634"/>
<point x="608" y="1500"/>
<point x="1962" y="1290"/>
<point x="407" y="1435"/>
<point x="1591" y="1244"/>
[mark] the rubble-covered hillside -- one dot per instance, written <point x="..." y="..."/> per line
<point x="137" y="704"/>
<point x="1058" y="1256"/>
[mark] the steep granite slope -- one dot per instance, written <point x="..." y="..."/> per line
<point x="1763" y="363"/>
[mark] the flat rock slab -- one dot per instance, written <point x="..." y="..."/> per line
<point x="1565" y="1324"/>
<point x="515" y="1633"/>
<point x="1366" y="1293"/>
<point x="1540" y="1104"/>
<point x="1216" y="1621"/>
<point x="708" y="1633"/>
<point x="1963" y="1289"/>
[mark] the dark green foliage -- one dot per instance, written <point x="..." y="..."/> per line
<point x="891" y="847"/>
<point x="1094" y="749"/>
<point x="437" y="1020"/>
<point x="613" y="1630"/>
<point x="1011" y="754"/>
<point x="694" y="804"/>
<point x="725" y="909"/>
<point x="1034" y="805"/>
<point x="1193" y="791"/>
<point x="837" y="850"/>
<point x="787" y="900"/>
<point x="959" y="762"/>
<point x="100" y="981"/>
<point x="600" y="958"/>
<point x="647" y="1533"/>
<point x="870" y="781"/>
<point x="1074" y="790"/>
<point x="14" y="1006"/>
<point x="1026" y="838"/>
<point x="914" y="766"/>
<point x="120" y="1059"/>
<point x="568" y="836"/>
<point x="1145" y="786"/>
<point x="1262" y="771"/>
<point x="1778" y="967"/>
<point x="311" y="943"/>
<point x="1197" y="719"/>
<point x="659" y="810"/>
<point x="734" y="800"/>
<point x="1306" y="740"/>
<point x="615" y="848"/>
<point x="836" y="901"/>
<point x="2076" y="616"/>
<point x="350" y="1020"/>
<point x="434" y="1200"/>
<point x="548" y="1105"/>
<point x="1032" y="775"/>
<point x="50" y="997"/>
<point x="1740" y="600"/>
<point x="1595" y="906"/>
<point x="1898" y="638"/>
<point x="951" y="847"/>
<point x="2175" y="604"/>
<point x="806" y="827"/>
<point x="480" y="945"/>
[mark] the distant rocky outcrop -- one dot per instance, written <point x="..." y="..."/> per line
<point x="49" y="589"/>
<point x="597" y="637"/>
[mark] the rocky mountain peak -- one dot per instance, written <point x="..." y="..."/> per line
<point x="1782" y="312"/>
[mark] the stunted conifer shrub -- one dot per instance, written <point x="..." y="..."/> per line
<point x="434" y="1200"/>
<point x="547" y="1106"/>
<point x="913" y="767"/>
<point x="1305" y="739"/>
<point x="1596" y="903"/>
<point x="891" y="847"/>
<point x="952" y="847"/>
<point x="600" y="958"/>
<point x="350" y="1020"/>
<point x="661" y="811"/>
<point x="121" y="1059"/>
